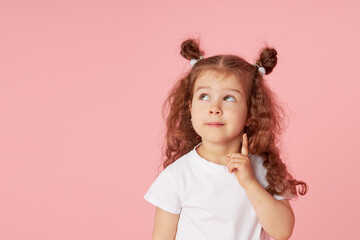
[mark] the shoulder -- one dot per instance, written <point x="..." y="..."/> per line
<point x="257" y="162"/>
<point x="258" y="169"/>
<point x="181" y="164"/>
<point x="260" y="174"/>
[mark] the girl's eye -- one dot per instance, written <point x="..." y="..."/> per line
<point x="231" y="97"/>
<point x="201" y="97"/>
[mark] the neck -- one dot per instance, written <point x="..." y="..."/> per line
<point x="216" y="152"/>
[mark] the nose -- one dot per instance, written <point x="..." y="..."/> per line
<point x="215" y="110"/>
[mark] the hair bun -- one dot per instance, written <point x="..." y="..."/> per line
<point x="190" y="49"/>
<point x="268" y="59"/>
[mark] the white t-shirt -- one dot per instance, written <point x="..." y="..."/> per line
<point x="211" y="202"/>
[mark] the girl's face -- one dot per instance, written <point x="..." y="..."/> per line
<point x="218" y="99"/>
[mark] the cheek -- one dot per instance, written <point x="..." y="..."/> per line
<point x="198" y="109"/>
<point x="239" y="115"/>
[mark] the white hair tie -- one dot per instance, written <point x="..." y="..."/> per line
<point x="193" y="61"/>
<point x="261" y="70"/>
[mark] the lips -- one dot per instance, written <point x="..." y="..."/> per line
<point x="215" y="124"/>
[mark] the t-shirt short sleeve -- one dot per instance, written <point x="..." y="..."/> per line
<point x="260" y="174"/>
<point x="287" y="195"/>
<point x="163" y="194"/>
<point x="278" y="197"/>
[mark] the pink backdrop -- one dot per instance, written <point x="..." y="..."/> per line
<point x="81" y="88"/>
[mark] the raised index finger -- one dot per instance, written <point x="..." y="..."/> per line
<point x="244" y="146"/>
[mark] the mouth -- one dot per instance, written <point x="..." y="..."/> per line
<point x="215" y="124"/>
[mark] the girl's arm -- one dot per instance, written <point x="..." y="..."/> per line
<point x="276" y="217"/>
<point x="165" y="226"/>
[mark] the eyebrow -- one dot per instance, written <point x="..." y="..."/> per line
<point x="205" y="87"/>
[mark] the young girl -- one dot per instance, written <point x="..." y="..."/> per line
<point x="223" y="177"/>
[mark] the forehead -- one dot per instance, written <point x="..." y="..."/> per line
<point x="213" y="79"/>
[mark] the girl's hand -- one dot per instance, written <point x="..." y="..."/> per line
<point x="240" y="164"/>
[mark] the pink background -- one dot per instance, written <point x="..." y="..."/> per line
<point x="81" y="89"/>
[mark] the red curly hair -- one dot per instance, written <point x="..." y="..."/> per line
<point x="264" y="113"/>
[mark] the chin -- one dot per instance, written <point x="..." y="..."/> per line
<point x="216" y="139"/>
